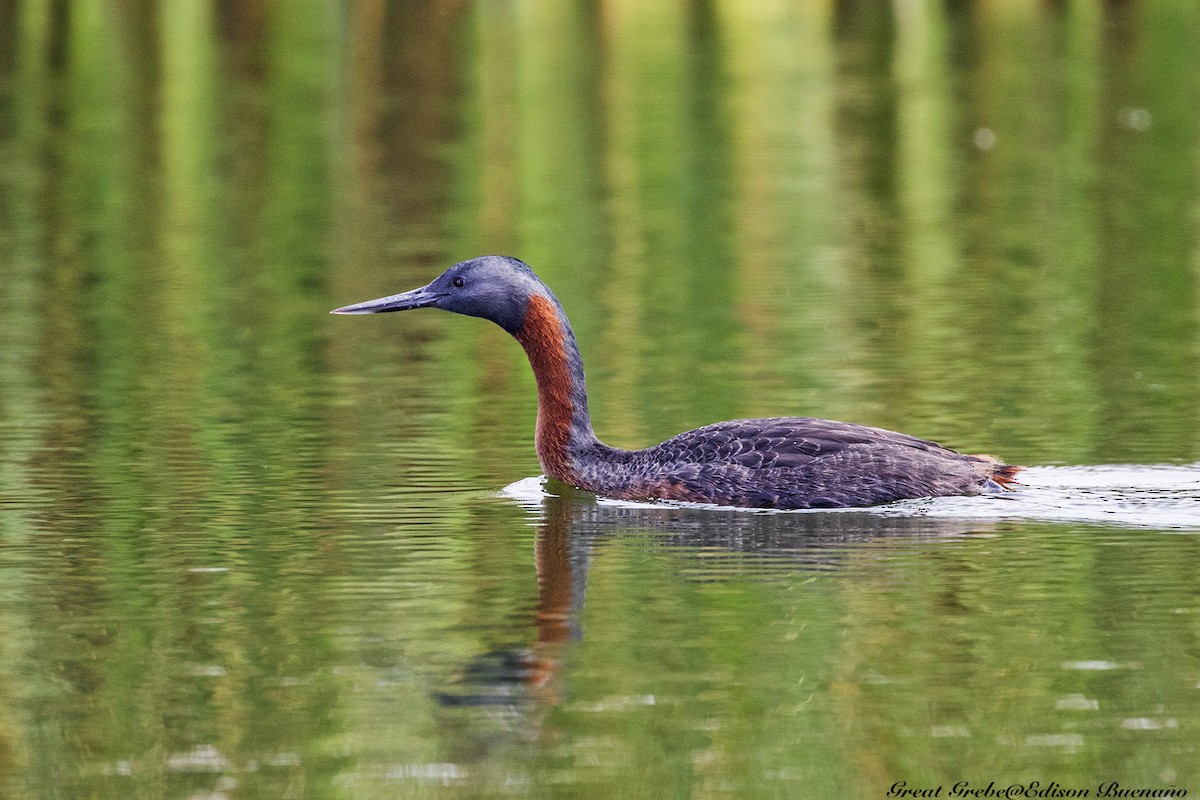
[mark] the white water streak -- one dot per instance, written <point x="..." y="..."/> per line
<point x="1158" y="496"/>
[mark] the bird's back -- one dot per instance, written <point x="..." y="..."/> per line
<point x="798" y="462"/>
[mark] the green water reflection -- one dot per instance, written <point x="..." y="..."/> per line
<point x="249" y="550"/>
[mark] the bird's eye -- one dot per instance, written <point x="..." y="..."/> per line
<point x="458" y="282"/>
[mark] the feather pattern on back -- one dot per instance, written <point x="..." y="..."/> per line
<point x="792" y="462"/>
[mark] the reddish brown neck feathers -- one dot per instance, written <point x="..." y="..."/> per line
<point x="541" y="335"/>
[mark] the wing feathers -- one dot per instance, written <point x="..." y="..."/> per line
<point x="784" y="442"/>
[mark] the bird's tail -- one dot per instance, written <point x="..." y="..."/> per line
<point x="1006" y="475"/>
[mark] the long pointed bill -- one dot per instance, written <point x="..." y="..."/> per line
<point x="417" y="298"/>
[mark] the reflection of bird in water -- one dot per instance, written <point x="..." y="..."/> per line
<point x="783" y="462"/>
<point x="528" y="675"/>
<point x="519" y="685"/>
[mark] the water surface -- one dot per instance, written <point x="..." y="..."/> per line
<point x="251" y="550"/>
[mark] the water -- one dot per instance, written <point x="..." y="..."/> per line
<point x="1160" y="497"/>
<point x="251" y="550"/>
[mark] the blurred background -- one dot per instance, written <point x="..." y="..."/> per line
<point x="243" y="543"/>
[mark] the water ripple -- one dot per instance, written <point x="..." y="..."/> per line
<point x="1155" y="496"/>
<point x="1158" y="496"/>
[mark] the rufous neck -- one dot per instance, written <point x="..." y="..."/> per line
<point x="564" y="428"/>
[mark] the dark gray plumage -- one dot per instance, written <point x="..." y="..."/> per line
<point x="793" y="462"/>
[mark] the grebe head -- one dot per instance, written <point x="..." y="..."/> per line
<point x="498" y="288"/>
